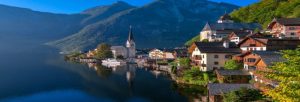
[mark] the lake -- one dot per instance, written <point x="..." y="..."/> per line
<point x="32" y="72"/>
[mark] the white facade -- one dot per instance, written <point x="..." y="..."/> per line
<point x="253" y="48"/>
<point x="156" y="54"/>
<point x="211" y="61"/>
<point x="236" y="40"/>
<point x="127" y="52"/>
<point x="119" y="51"/>
<point x="131" y="49"/>
<point x="169" y="55"/>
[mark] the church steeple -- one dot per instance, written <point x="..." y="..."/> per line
<point x="130" y="44"/>
<point x="130" y="36"/>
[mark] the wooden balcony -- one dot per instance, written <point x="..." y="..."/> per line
<point x="196" y="58"/>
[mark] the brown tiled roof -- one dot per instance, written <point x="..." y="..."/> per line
<point x="219" y="89"/>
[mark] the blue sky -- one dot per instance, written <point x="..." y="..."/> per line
<point x="75" y="6"/>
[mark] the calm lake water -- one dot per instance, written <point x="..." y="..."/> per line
<point x="32" y="72"/>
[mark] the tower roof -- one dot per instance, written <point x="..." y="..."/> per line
<point x="130" y="36"/>
<point x="225" y="17"/>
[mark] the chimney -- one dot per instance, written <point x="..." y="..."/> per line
<point x="226" y="43"/>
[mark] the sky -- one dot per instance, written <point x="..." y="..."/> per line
<point x="76" y="6"/>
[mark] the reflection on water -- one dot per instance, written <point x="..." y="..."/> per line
<point x="33" y="72"/>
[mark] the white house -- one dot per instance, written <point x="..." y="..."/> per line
<point x="156" y="54"/>
<point x="212" y="55"/>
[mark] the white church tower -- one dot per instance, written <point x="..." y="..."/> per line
<point x="130" y="44"/>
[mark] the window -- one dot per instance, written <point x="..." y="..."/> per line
<point x="251" y="49"/>
<point x="216" y="63"/>
<point x="292" y="33"/>
<point x="261" y="49"/>
<point x="251" y="59"/>
<point x="252" y="45"/>
<point x="215" y="68"/>
<point x="292" y="28"/>
<point x="202" y="56"/>
<point x="216" y="56"/>
<point x="228" y="56"/>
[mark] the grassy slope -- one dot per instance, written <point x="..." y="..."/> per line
<point x="264" y="11"/>
<point x="194" y="39"/>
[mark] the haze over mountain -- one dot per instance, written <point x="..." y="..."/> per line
<point x="162" y="23"/>
<point x="25" y="22"/>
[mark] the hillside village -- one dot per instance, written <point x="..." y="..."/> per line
<point x="234" y="53"/>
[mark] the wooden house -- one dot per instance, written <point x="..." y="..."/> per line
<point x="266" y="60"/>
<point x="233" y="76"/>
<point x="268" y="44"/>
<point x="285" y="28"/>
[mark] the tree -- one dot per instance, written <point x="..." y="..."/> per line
<point x="184" y="62"/>
<point x="264" y="11"/>
<point x="230" y="97"/>
<point x="288" y="74"/>
<point x="233" y="65"/>
<point x="103" y="51"/>
<point x="205" y="40"/>
<point x="243" y="95"/>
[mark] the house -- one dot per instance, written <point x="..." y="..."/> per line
<point x="240" y="57"/>
<point x="212" y="55"/>
<point x="142" y="54"/>
<point x="156" y="54"/>
<point x="165" y="54"/>
<point x="220" y="30"/>
<point x="250" y="59"/>
<point x="90" y="54"/>
<point x="262" y="65"/>
<point x="225" y="19"/>
<point x="180" y="53"/>
<point x="270" y="44"/>
<point x="168" y="54"/>
<point x="233" y="76"/>
<point x="285" y="28"/>
<point x="236" y="37"/>
<point x="216" y="90"/>
<point x="253" y="44"/>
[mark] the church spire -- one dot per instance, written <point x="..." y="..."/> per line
<point x="130" y="37"/>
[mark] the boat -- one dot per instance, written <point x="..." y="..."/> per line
<point x="112" y="62"/>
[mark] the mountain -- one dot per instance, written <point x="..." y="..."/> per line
<point x="265" y="11"/>
<point x="25" y="22"/>
<point x="162" y="23"/>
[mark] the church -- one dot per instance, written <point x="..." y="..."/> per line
<point x="129" y="51"/>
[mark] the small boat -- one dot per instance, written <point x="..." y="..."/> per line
<point x="112" y="62"/>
